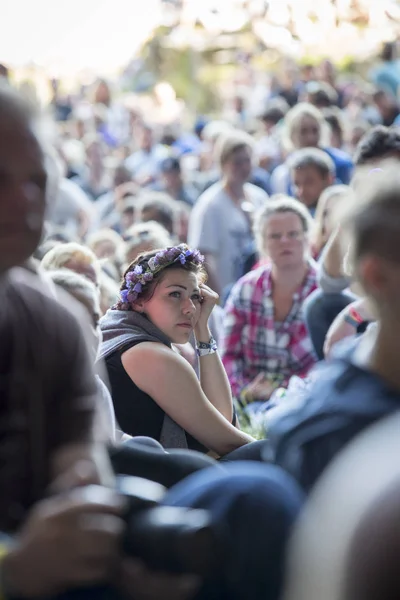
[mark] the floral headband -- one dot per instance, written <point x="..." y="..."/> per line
<point x="136" y="279"/>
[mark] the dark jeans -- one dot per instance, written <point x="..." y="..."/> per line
<point x="256" y="505"/>
<point x="320" y="310"/>
<point x="144" y="457"/>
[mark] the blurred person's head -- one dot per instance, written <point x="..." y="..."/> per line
<point x="273" y="113"/>
<point x="321" y="94"/>
<point x="75" y="257"/>
<point x="333" y="116"/>
<point x="312" y="170"/>
<point x="145" y="136"/>
<point x="372" y="224"/>
<point x="121" y="175"/>
<point x="95" y="152"/>
<point x="183" y="211"/>
<point x="171" y="174"/>
<point x="327" y="71"/>
<point x="106" y="243"/>
<point x="305" y="126"/>
<point x="169" y="135"/>
<point x="144" y="237"/>
<point x="159" y="207"/>
<point x="307" y="72"/>
<point x="324" y="219"/>
<point x="128" y="212"/>
<point x="23" y="180"/>
<point x="282" y="230"/>
<point x="234" y="154"/>
<point x="86" y="293"/>
<point x="102" y="93"/>
<point x="377" y="144"/>
<point x="386" y="103"/>
<point x="389" y="51"/>
<point x="355" y="132"/>
<point x="214" y="129"/>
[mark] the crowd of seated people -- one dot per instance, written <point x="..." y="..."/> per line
<point x="155" y="298"/>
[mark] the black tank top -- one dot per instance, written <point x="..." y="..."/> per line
<point x="136" y="412"/>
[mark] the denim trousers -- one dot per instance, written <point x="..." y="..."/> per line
<point x="254" y="506"/>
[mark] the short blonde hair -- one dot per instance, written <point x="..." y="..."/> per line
<point x="229" y="143"/>
<point x="105" y="235"/>
<point x="74" y="283"/>
<point x="151" y="233"/>
<point x="60" y="255"/>
<point x="275" y="205"/>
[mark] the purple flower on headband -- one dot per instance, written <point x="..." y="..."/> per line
<point x="152" y="264"/>
<point x="170" y="254"/>
<point x="182" y="258"/>
<point x="197" y="257"/>
<point x="138" y="270"/>
<point x="138" y="287"/>
<point x="124" y="296"/>
<point x="130" y="277"/>
<point x="148" y="277"/>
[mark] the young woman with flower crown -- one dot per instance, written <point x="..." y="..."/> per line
<point x="163" y="299"/>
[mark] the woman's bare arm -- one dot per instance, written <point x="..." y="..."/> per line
<point x="171" y="382"/>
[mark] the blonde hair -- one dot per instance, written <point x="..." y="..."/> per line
<point x="61" y="254"/>
<point x="279" y="204"/>
<point x="105" y="235"/>
<point x="74" y="283"/>
<point x="293" y="118"/>
<point x="334" y="191"/>
<point x="228" y="143"/>
<point x="151" y="233"/>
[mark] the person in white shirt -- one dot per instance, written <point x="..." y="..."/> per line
<point x="221" y="222"/>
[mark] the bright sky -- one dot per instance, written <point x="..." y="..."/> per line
<point x="66" y="35"/>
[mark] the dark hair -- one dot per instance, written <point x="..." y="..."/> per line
<point x="321" y="94"/>
<point x="312" y="157"/>
<point x="275" y="111"/>
<point x="333" y="117"/>
<point x="380" y="142"/>
<point x="163" y="205"/>
<point x="170" y="164"/>
<point x="388" y="51"/>
<point x="143" y="260"/>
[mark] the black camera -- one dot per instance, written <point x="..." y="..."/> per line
<point x="168" y="538"/>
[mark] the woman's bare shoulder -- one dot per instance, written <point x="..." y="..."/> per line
<point x="147" y="354"/>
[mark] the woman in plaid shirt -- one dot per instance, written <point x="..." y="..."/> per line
<point x="265" y="340"/>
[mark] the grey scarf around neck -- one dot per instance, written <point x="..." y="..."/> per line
<point x="121" y="327"/>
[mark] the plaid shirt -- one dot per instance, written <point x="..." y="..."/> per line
<point x="253" y="342"/>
